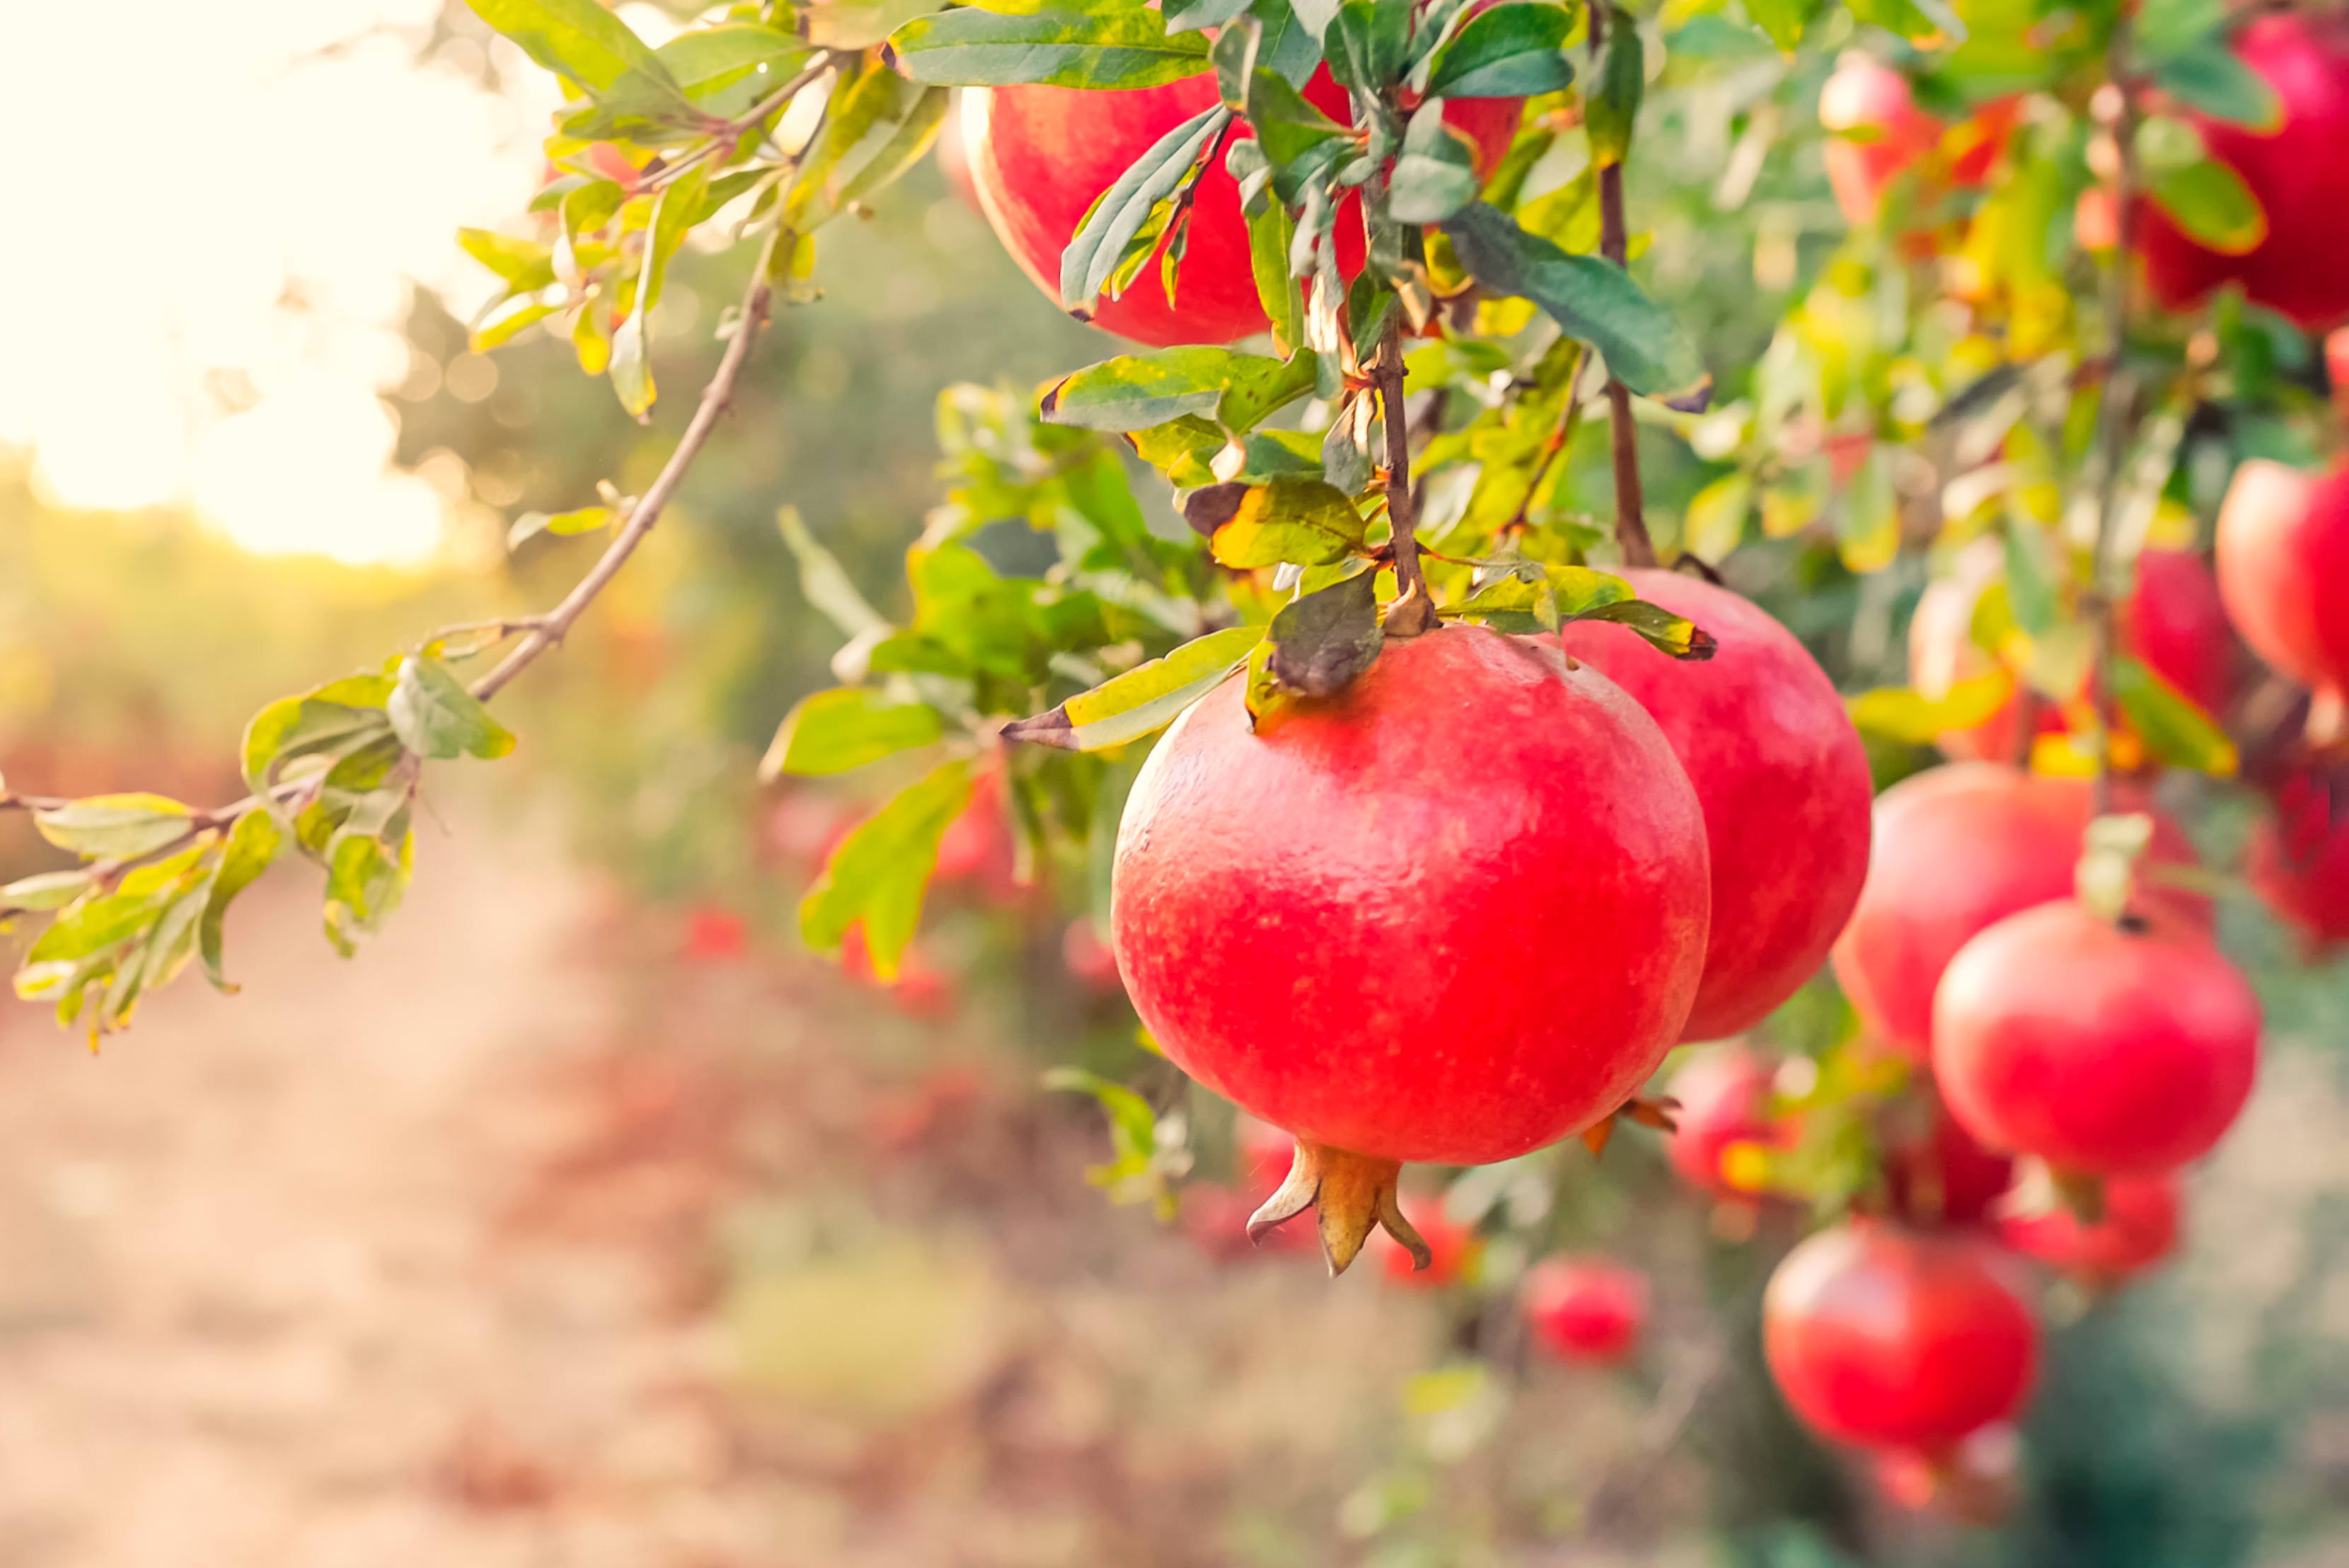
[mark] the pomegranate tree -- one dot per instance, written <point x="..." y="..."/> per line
<point x="1886" y="1337"/>
<point x="1591" y="1311"/>
<point x="2104" y="1047"/>
<point x="1774" y="760"/>
<point x="1453" y="913"/>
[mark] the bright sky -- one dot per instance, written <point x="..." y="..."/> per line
<point x="214" y="244"/>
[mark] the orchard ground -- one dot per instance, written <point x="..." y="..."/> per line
<point x="520" y="1241"/>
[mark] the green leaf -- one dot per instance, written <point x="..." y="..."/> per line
<point x="1715" y="522"/>
<point x="576" y="38"/>
<point x="525" y="264"/>
<point x="915" y="130"/>
<point x="825" y="583"/>
<point x="365" y="879"/>
<point x="1132" y="1124"/>
<point x="1299" y="139"/>
<point x="1193" y="16"/>
<point x="114" y="826"/>
<point x="706" y="60"/>
<point x="335" y="719"/>
<point x="1783" y="20"/>
<point x="1308" y="521"/>
<point x="581" y="520"/>
<point x="97" y="925"/>
<point x="1146" y="699"/>
<point x="1505" y="51"/>
<point x="2214" y="79"/>
<point x="1094" y="251"/>
<point x="1531" y="596"/>
<point x="1138" y="392"/>
<point x="1368" y="43"/>
<point x="1322" y="642"/>
<point x="2210" y="203"/>
<point x="2166" y="28"/>
<point x="847" y="727"/>
<point x="678" y="210"/>
<point x="1588" y="298"/>
<point x="1271" y="232"/>
<point x="1436" y="174"/>
<point x="49" y="890"/>
<point x="253" y="844"/>
<point x="434" y="716"/>
<point x="508" y="316"/>
<point x="1128" y="46"/>
<point x="1929" y="24"/>
<point x="2173" y="729"/>
<point x="1666" y="633"/>
<point x="1611" y="108"/>
<point x="2032" y="595"/>
<point x="877" y="875"/>
<point x="1898" y="713"/>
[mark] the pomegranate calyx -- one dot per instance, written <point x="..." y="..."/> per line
<point x="2082" y="1193"/>
<point x="1350" y="1193"/>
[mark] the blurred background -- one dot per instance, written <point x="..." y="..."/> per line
<point x="583" y="1217"/>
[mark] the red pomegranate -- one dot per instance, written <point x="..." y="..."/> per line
<point x="2336" y="367"/>
<point x="1887" y="1338"/>
<point x="2298" y="859"/>
<point x="1867" y="99"/>
<point x="1453" y="913"/>
<point x="976" y="850"/>
<point x="1942" y="1176"/>
<point x="1041" y="156"/>
<point x="2138" y="1230"/>
<point x="714" y="934"/>
<point x="2113" y="1050"/>
<point x="2284" y="568"/>
<point x="1774" y="760"/>
<point x="1452" y="1247"/>
<point x="1957" y="849"/>
<point x="1724" y="1099"/>
<point x="2299" y="172"/>
<point x="1088" y="959"/>
<point x="2173" y="621"/>
<point x="1586" y="1309"/>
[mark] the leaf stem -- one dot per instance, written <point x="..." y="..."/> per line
<point x="1631" y="510"/>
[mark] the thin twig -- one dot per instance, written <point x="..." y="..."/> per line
<point x="1414" y="611"/>
<point x="1631" y="511"/>
<point x="1561" y="436"/>
<point x="727" y="133"/>
<point x="2114" y="419"/>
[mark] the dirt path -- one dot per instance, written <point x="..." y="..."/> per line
<point x="260" y="1300"/>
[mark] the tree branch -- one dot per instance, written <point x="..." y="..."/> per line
<point x="1631" y="510"/>
<point x="1414" y="611"/>
<point x="2115" y="416"/>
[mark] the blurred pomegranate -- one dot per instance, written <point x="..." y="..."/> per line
<point x="977" y="851"/>
<point x="714" y="934"/>
<point x="2138" y="1230"/>
<point x="921" y="988"/>
<point x="2298" y="859"/>
<point x="1586" y="1309"/>
<point x="1089" y="961"/>
<point x="1723" y="1094"/>
<point x="1943" y="1176"/>
<point x="1454" y="1246"/>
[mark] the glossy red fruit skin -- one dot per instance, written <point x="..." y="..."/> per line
<point x="2100" y="1050"/>
<point x="1039" y="156"/>
<point x="1777" y="766"/>
<point x="1450" y="1246"/>
<point x="2140" y="1229"/>
<point x="1723" y="1094"/>
<point x="1887" y="1338"/>
<point x="1945" y="1178"/>
<point x="2298" y="859"/>
<point x="2300" y="173"/>
<point x="1591" y="1311"/>
<point x="1957" y="849"/>
<point x="2284" y="568"/>
<point x="1453" y="913"/>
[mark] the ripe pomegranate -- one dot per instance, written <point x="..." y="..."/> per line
<point x="2336" y="367"/>
<point x="1452" y="1247"/>
<point x="2104" y="1049"/>
<point x="1453" y="913"/>
<point x="1942" y="1176"/>
<point x="714" y="934"/>
<point x="2299" y="172"/>
<point x="921" y="990"/>
<point x="1889" y="1337"/>
<point x="1041" y="156"/>
<point x="1089" y="958"/>
<point x="1958" y="848"/>
<point x="2138" y="1230"/>
<point x="2298" y="859"/>
<point x="1586" y="1309"/>
<point x="1868" y="97"/>
<point x="1766" y="742"/>
<point x="1723" y="1098"/>
<point x="2173" y="621"/>
<point x="975" y="851"/>
<point x="2284" y="568"/>
<point x="1977" y="1479"/>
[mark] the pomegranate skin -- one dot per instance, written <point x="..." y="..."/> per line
<point x="2300" y="173"/>
<point x="2284" y="568"/>
<point x="1589" y="1310"/>
<point x="1945" y="1178"/>
<point x="2298" y="860"/>
<point x="1886" y="1337"/>
<point x="1865" y="94"/>
<point x="1723" y="1098"/>
<point x="1783" y="778"/>
<point x="1041" y="156"/>
<point x="1958" y="848"/>
<point x="1453" y="913"/>
<point x="2100" y="1050"/>
<point x="2140" y="1229"/>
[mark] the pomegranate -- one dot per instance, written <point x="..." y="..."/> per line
<point x="1452" y="1247"/>
<point x="1869" y="98"/>
<point x="2299" y="171"/>
<point x="715" y="935"/>
<point x="1723" y="1100"/>
<point x="2283" y="569"/>
<point x="1453" y="913"/>
<point x="1586" y="1309"/>
<point x="1943" y="1176"/>
<point x="1041" y="156"/>
<point x="1958" y="848"/>
<point x="1089" y="958"/>
<point x="2139" y="1228"/>
<point x="975" y="851"/>
<point x="2298" y="860"/>
<point x="1774" y="760"/>
<point x="2112" y="1050"/>
<point x="2173" y="621"/>
<point x="1977" y="1479"/>
<point x="1889" y="1337"/>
